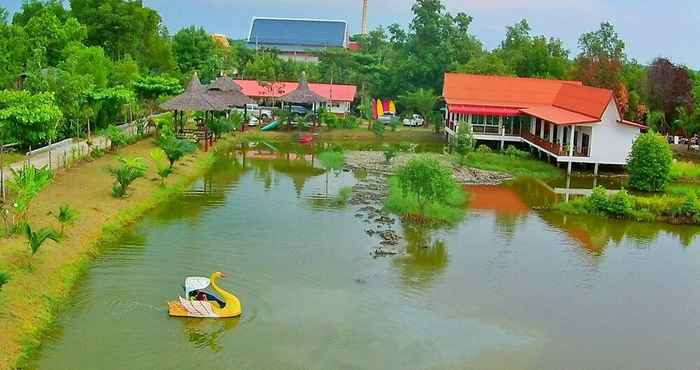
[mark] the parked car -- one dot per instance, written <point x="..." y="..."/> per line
<point x="299" y="110"/>
<point x="257" y="111"/>
<point x="387" y="118"/>
<point x="414" y="121"/>
<point x="253" y="122"/>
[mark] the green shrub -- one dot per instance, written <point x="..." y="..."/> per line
<point x="598" y="200"/>
<point x="378" y="128"/>
<point x="97" y="153"/>
<point x="224" y="125"/>
<point x="649" y="163"/>
<point x="620" y="204"/>
<point x="161" y="163"/>
<point x="408" y="207"/>
<point x="4" y="278"/>
<point x="389" y="153"/>
<point x="483" y="149"/>
<point x="350" y="122"/>
<point x="344" y="195"/>
<point x="125" y="173"/>
<point x="65" y="216"/>
<point x="683" y="169"/>
<point x="408" y="147"/>
<point x="394" y="124"/>
<point x="117" y="137"/>
<point x="463" y="143"/>
<point x="690" y="206"/>
<point x="514" y="152"/>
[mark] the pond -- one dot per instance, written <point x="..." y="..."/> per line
<point x="506" y="288"/>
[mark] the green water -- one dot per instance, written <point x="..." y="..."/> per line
<point x="507" y="288"/>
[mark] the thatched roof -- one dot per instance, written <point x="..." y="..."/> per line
<point x="303" y="94"/>
<point x="195" y="99"/>
<point x="227" y="91"/>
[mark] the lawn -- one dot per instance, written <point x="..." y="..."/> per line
<point x="518" y="166"/>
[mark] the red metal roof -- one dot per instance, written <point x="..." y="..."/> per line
<point x="559" y="116"/>
<point x="483" y="110"/>
<point x="557" y="101"/>
<point x="253" y="89"/>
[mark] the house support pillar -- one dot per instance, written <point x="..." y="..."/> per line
<point x="502" y="144"/>
<point x="595" y="169"/>
<point x="568" y="169"/>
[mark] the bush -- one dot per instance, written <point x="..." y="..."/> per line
<point x="463" y="143"/>
<point x="378" y="128"/>
<point x="598" y="200"/>
<point x="116" y="136"/>
<point x="125" y="173"/>
<point x="514" y="152"/>
<point x="344" y="195"/>
<point x="649" y="163"/>
<point x="26" y="184"/>
<point x="394" y="124"/>
<point x="408" y="147"/>
<point x="620" y="204"/>
<point x="161" y="163"/>
<point x="690" y="207"/>
<point x="408" y="207"/>
<point x="350" y="122"/>
<point x="483" y="149"/>
<point x="224" y="125"/>
<point x="4" y="278"/>
<point x="389" y="154"/>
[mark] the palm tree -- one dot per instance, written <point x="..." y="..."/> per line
<point x="65" y="216"/>
<point x="37" y="239"/>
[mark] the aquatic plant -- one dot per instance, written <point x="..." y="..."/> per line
<point x="125" y="173"/>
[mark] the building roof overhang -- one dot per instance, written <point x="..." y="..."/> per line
<point x="560" y="116"/>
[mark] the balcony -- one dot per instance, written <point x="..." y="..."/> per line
<point x="556" y="149"/>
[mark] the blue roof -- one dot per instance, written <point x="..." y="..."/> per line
<point x="302" y="33"/>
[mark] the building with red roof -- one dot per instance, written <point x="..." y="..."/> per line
<point x="339" y="97"/>
<point x="566" y="120"/>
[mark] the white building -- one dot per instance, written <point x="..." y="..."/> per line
<point x="566" y="120"/>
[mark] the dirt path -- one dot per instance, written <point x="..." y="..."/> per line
<point x="29" y="301"/>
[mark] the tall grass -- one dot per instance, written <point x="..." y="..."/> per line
<point x="515" y="165"/>
<point x="407" y="205"/>
<point x="685" y="170"/>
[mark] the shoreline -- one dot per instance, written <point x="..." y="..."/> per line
<point x="26" y="313"/>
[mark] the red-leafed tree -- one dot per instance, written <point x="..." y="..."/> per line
<point x="670" y="88"/>
<point x="600" y="62"/>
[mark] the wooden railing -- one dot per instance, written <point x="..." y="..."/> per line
<point x="553" y="148"/>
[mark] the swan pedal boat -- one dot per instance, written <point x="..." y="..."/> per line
<point x="203" y="304"/>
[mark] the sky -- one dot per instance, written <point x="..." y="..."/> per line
<point x="650" y="28"/>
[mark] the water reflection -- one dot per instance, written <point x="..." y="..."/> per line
<point x="426" y="258"/>
<point x="206" y="334"/>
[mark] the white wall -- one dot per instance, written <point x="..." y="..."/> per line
<point x="612" y="141"/>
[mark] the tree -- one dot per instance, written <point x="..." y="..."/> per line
<point x="487" y="64"/>
<point x="426" y="179"/>
<point x="125" y="72"/>
<point x="649" y="163"/>
<point x="88" y="61"/>
<point x="194" y="49"/>
<point x="421" y="101"/>
<point x="125" y="173"/>
<point x="600" y="62"/>
<point x="151" y="88"/>
<point x="50" y="36"/>
<point x="687" y="121"/>
<point x="35" y="239"/>
<point x="65" y="216"/>
<point x="670" y="88"/>
<point x="3" y="16"/>
<point x="32" y="8"/>
<point x="29" y="119"/>
<point x="530" y="56"/>
<point x="14" y="53"/>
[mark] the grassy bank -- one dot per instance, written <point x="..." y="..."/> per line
<point x="516" y="165"/>
<point x="31" y="299"/>
<point x="622" y="205"/>
<point x="408" y="207"/>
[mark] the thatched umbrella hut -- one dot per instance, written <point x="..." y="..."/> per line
<point x="303" y="94"/>
<point x="196" y="98"/>
<point x="227" y="91"/>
